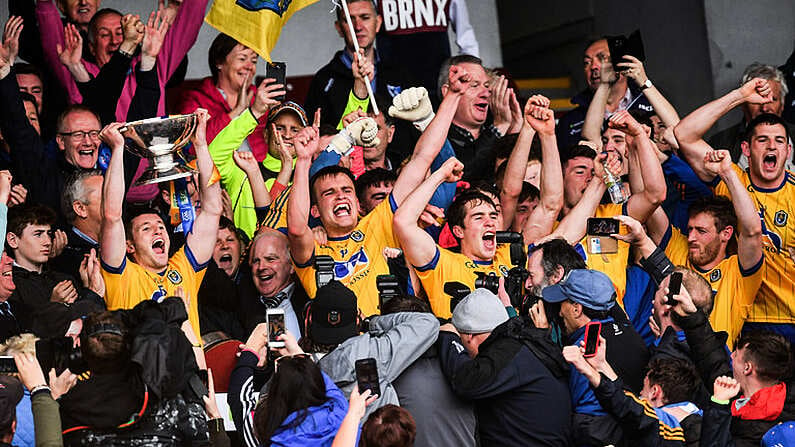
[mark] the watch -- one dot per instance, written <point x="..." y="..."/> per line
<point x="646" y="84"/>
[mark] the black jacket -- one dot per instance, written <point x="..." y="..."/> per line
<point x="72" y="255"/>
<point x="518" y="400"/>
<point x="640" y="422"/>
<point x="32" y="307"/>
<point x="253" y="311"/>
<point x="332" y="84"/>
<point x="219" y="303"/>
<point x="709" y="353"/>
<point x="477" y="155"/>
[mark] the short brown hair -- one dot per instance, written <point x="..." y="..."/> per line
<point x="389" y="426"/>
<point x="20" y="216"/>
<point x="677" y="378"/>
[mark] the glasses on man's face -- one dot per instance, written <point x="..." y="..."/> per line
<point x="302" y="355"/>
<point x="80" y="134"/>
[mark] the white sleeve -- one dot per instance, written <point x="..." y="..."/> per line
<point x="464" y="34"/>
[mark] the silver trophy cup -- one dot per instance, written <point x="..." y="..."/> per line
<point x="159" y="140"/>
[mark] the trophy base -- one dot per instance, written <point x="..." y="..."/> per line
<point x="153" y="176"/>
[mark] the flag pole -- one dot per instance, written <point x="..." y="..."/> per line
<point x="356" y="48"/>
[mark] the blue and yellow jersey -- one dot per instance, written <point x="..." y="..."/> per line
<point x="733" y="287"/>
<point x="447" y="266"/>
<point x="130" y="284"/>
<point x="776" y="300"/>
<point x="276" y="217"/>
<point x="614" y="265"/>
<point x="358" y="257"/>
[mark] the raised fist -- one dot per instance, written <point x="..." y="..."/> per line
<point x="412" y="105"/>
<point x="363" y="132"/>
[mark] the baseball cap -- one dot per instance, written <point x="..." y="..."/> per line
<point x="480" y="311"/>
<point x="291" y="107"/>
<point x="591" y="288"/>
<point x="10" y="395"/>
<point x="333" y="314"/>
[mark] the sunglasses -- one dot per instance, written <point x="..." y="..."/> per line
<point x="302" y="355"/>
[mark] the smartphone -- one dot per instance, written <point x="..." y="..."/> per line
<point x="592" y="331"/>
<point x="674" y="286"/>
<point x="275" y="319"/>
<point x="601" y="226"/>
<point x="367" y="376"/>
<point x="620" y="45"/>
<point x="388" y="288"/>
<point x="278" y="71"/>
<point x="7" y="365"/>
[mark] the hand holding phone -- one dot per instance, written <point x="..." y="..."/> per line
<point x="592" y="331"/>
<point x="367" y="376"/>
<point x="277" y="71"/>
<point x="674" y="287"/>
<point x="275" y="319"/>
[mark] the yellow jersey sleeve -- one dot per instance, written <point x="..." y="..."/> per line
<point x="276" y="216"/>
<point x="734" y="291"/>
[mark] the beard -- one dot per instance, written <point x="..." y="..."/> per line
<point x="706" y="254"/>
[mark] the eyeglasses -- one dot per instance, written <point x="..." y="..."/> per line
<point x="302" y="355"/>
<point x="80" y="134"/>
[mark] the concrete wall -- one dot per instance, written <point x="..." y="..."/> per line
<point x="742" y="32"/>
<point x="309" y="39"/>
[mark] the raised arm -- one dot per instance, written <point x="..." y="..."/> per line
<point x="543" y="217"/>
<point x="690" y="131"/>
<point x="113" y="245"/>
<point x="633" y="68"/>
<point x="515" y="169"/>
<point x="249" y="165"/>
<point x="201" y="239"/>
<point x="432" y="139"/>
<point x="749" y="231"/>
<point x="418" y="246"/>
<point x="302" y="243"/>
<point x="594" y="118"/>
<point x="640" y="206"/>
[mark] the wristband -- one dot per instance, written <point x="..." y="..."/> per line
<point x="38" y="388"/>
<point x="124" y="53"/>
<point x="718" y="401"/>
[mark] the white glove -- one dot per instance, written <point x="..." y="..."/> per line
<point x="413" y="105"/>
<point x="362" y="132"/>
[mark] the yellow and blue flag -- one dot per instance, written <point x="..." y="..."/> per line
<point x="254" y="23"/>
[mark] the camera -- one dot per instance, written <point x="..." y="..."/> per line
<point x="324" y="270"/>
<point x="60" y="353"/>
<point x="457" y="292"/>
<point x="388" y="288"/>
<point x="488" y="281"/>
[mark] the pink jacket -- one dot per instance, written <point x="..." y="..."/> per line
<point x="207" y="96"/>
<point x="178" y="41"/>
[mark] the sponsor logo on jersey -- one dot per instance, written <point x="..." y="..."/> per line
<point x="159" y="294"/>
<point x="358" y="262"/>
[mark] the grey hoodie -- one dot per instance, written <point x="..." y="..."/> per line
<point x="395" y="341"/>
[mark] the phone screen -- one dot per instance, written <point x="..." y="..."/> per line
<point x="275" y="327"/>
<point x="599" y="226"/>
<point x="367" y="376"/>
<point x="592" y="331"/>
<point x="7" y="365"/>
<point x="674" y="286"/>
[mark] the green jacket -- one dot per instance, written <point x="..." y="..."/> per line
<point x="46" y="420"/>
<point x="234" y="179"/>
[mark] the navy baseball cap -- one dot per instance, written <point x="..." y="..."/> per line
<point x="591" y="288"/>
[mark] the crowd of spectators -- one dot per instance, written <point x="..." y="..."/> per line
<point x="514" y="276"/>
